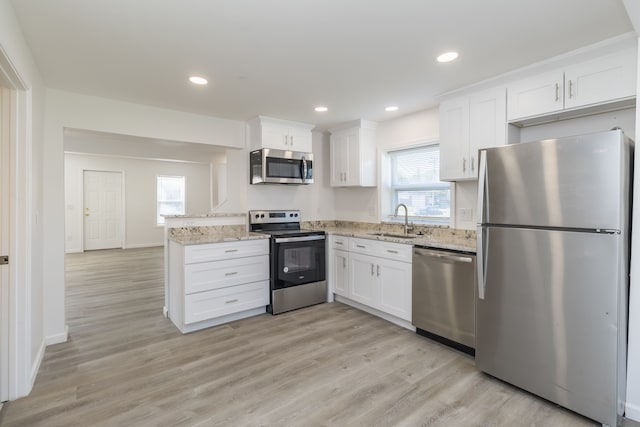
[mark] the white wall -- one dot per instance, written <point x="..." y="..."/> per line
<point x="371" y="204"/>
<point x="139" y="175"/>
<point x="315" y="201"/>
<point x="633" y="354"/>
<point x="30" y="330"/>
<point x="73" y="111"/>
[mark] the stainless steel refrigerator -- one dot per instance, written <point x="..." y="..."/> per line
<point x="553" y="265"/>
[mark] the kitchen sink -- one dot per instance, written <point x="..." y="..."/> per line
<point x="395" y="235"/>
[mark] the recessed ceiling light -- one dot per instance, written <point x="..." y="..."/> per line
<point x="391" y="108"/>
<point x="447" y="57"/>
<point x="197" y="80"/>
<point x="321" y="109"/>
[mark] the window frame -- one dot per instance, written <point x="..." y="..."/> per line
<point x="436" y="185"/>
<point x="158" y="201"/>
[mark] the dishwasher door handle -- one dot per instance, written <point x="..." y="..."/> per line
<point x="453" y="258"/>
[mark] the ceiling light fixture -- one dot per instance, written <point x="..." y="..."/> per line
<point x="321" y="109"/>
<point x="391" y="108"/>
<point x="197" y="80"/>
<point x="447" y="57"/>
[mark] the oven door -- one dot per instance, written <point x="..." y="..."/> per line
<point x="298" y="260"/>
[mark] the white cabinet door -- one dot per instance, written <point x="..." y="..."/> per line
<point x="487" y="124"/>
<point x="395" y="287"/>
<point x="467" y="124"/>
<point x="603" y="79"/>
<point x="274" y="136"/>
<point x="339" y="160"/>
<point x="363" y="280"/>
<point x="340" y="272"/>
<point x="268" y="132"/>
<point x="454" y="138"/>
<point x="300" y="139"/>
<point x="353" y="156"/>
<point x="536" y="95"/>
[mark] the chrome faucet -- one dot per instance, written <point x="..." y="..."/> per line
<point x="406" y="216"/>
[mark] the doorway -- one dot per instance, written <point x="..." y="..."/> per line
<point x="4" y="242"/>
<point x="102" y="210"/>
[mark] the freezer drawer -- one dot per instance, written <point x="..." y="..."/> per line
<point x="443" y="300"/>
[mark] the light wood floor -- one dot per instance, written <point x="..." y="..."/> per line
<point x="125" y="364"/>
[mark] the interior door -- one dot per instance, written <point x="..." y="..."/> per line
<point x="102" y="210"/>
<point x="4" y="244"/>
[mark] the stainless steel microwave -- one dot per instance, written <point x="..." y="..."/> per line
<point x="270" y="166"/>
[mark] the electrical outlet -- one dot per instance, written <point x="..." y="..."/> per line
<point x="466" y="215"/>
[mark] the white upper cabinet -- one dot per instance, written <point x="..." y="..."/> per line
<point x="599" y="81"/>
<point x="267" y="132"/>
<point x="353" y="154"/>
<point x="469" y="123"/>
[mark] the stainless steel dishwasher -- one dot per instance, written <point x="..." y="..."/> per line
<point x="443" y="297"/>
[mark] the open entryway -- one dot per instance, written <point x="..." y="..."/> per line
<point x="102" y="210"/>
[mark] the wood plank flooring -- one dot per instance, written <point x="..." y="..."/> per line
<point x="327" y="365"/>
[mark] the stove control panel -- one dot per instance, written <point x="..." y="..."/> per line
<point x="273" y="217"/>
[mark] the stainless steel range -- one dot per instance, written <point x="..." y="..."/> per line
<point x="297" y="260"/>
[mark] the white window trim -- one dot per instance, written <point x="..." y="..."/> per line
<point x="388" y="199"/>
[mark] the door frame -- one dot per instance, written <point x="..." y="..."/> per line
<point x="17" y="146"/>
<point x="123" y="228"/>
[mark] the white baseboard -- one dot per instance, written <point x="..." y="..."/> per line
<point x="632" y="411"/>
<point x="58" y="338"/>
<point x="388" y="317"/>
<point x="143" y="245"/>
<point x="73" y="251"/>
<point x="36" y="365"/>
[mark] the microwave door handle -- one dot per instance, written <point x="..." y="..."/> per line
<point x="303" y="166"/>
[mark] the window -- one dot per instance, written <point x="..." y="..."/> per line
<point x="415" y="182"/>
<point x="170" y="197"/>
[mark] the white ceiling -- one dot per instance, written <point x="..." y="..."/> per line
<point x="281" y="58"/>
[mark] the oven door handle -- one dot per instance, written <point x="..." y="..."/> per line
<point x="299" y="239"/>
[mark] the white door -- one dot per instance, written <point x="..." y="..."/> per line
<point x="102" y="210"/>
<point x="4" y="244"/>
<point x="341" y="272"/>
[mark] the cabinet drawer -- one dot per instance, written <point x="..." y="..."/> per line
<point x="362" y="246"/>
<point x="395" y="251"/>
<point x="340" y="242"/>
<point x="225" y="250"/>
<point x="206" y="276"/>
<point x="388" y="250"/>
<point x="220" y="302"/>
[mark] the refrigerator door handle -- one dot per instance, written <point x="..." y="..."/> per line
<point x="482" y="196"/>
<point x="480" y="242"/>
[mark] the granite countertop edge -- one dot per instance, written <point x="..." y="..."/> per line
<point x="417" y="241"/>
<point x="207" y="215"/>
<point x="217" y="238"/>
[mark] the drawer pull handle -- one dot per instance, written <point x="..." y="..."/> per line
<point x="231" y="250"/>
<point x="231" y="301"/>
<point x="233" y="273"/>
<point x="339" y="243"/>
<point x="392" y="252"/>
<point x="361" y="247"/>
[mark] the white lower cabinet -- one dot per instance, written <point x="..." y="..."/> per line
<point x="362" y="278"/>
<point x="340" y="274"/>
<point x="215" y="283"/>
<point x="375" y="274"/>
